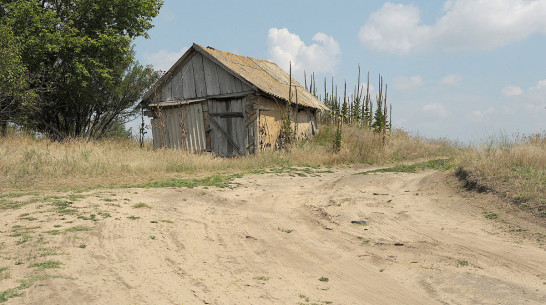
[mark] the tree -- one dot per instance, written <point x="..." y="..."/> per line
<point x="117" y="102"/>
<point x="14" y="87"/>
<point x="78" y="52"/>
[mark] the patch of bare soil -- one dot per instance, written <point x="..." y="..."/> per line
<point x="323" y="238"/>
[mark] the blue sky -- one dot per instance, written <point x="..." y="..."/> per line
<point x="459" y="69"/>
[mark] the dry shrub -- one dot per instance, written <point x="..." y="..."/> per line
<point x="361" y="145"/>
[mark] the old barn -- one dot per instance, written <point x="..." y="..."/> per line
<point x="227" y="104"/>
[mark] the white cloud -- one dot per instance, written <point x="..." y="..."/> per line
<point x="465" y="25"/>
<point x="394" y="28"/>
<point x="286" y="47"/>
<point x="451" y="80"/>
<point x="540" y="85"/>
<point x="537" y="93"/>
<point x="436" y="109"/>
<point x="480" y="114"/>
<point x="408" y="83"/>
<point x="511" y="91"/>
<point x="163" y="60"/>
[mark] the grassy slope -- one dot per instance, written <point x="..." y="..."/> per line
<point x="513" y="169"/>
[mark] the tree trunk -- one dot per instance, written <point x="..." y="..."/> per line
<point x="3" y="127"/>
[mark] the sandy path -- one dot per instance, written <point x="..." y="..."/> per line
<point x="424" y="243"/>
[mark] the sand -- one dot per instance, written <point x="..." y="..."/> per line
<point x="284" y="239"/>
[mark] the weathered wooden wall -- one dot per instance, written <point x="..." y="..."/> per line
<point x="200" y="77"/>
<point x="181" y="127"/>
<point x="227" y="127"/>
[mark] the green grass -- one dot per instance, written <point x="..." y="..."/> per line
<point x="462" y="263"/>
<point x="63" y="207"/>
<point x="91" y="217"/>
<point x="324" y="279"/>
<point x="439" y="164"/>
<point x="215" y="180"/>
<point x="78" y="229"/>
<point x="492" y="215"/>
<point x="262" y="278"/>
<point x="288" y="231"/>
<point x="46" y="265"/>
<point x="69" y="230"/>
<point x="141" y="205"/>
<point x="4" y="273"/>
<point x="23" y="284"/>
<point x="133" y="217"/>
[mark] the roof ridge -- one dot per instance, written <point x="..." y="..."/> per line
<point x="217" y="50"/>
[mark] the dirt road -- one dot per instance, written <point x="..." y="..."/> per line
<point x="278" y="239"/>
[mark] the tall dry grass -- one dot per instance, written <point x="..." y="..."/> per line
<point x="29" y="163"/>
<point x="512" y="167"/>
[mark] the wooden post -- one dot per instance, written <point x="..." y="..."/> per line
<point x="296" y="116"/>
<point x="305" y="79"/>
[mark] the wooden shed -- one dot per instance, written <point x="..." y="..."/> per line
<point x="227" y="104"/>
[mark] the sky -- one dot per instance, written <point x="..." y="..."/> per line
<point x="464" y="70"/>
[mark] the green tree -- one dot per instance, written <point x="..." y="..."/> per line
<point x="14" y="87"/>
<point x="78" y="53"/>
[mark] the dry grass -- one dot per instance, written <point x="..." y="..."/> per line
<point x="29" y="163"/>
<point x="515" y="168"/>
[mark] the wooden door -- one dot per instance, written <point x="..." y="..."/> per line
<point x="228" y="128"/>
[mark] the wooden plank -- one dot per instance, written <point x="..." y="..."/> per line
<point x="164" y="119"/>
<point x="194" y="139"/>
<point x="179" y="119"/>
<point x="229" y="128"/>
<point x="221" y="142"/>
<point x="257" y="131"/>
<point x="185" y="126"/>
<point x="155" y="134"/>
<point x="231" y="114"/>
<point x="188" y="82"/>
<point x="166" y="92"/>
<point x="224" y="80"/>
<point x="175" y="121"/>
<point x="167" y="120"/>
<point x="201" y="126"/>
<point x="231" y="95"/>
<point x="190" y="129"/>
<point x="211" y="77"/>
<point x="245" y="87"/>
<point x="244" y="129"/>
<point x="199" y="74"/>
<point x="226" y="135"/>
<point x="212" y="133"/>
<point x="239" y="126"/>
<point x="233" y="129"/>
<point x="178" y="92"/>
<point x="196" y="131"/>
<point x="236" y="84"/>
